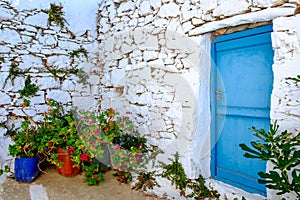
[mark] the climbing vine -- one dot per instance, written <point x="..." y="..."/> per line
<point x="30" y="89"/>
<point x="176" y="174"/>
<point x="13" y="73"/>
<point x="79" y="51"/>
<point x="56" y="15"/>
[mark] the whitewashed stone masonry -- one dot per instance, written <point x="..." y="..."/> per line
<point x="156" y="64"/>
<point x="30" y="45"/>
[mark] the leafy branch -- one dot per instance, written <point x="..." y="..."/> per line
<point x="176" y="174"/>
<point x="283" y="151"/>
<point x="29" y="89"/>
<point x="56" y="15"/>
<point x="13" y="73"/>
<point x="79" y="51"/>
<point x="297" y="79"/>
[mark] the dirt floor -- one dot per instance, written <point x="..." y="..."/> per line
<point x="65" y="188"/>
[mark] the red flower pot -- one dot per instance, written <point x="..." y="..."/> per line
<point x="67" y="168"/>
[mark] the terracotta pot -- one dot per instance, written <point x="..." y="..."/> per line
<point x="67" y="168"/>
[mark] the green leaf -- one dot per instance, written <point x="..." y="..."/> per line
<point x="246" y="148"/>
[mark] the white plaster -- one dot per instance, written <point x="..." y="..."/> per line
<point x="47" y="82"/>
<point x="235" y="7"/>
<point x="175" y="76"/>
<point x="117" y="77"/>
<point x="41" y="108"/>
<point x="150" y="55"/>
<point x="47" y="40"/>
<point x="233" y="192"/>
<point x="260" y="16"/>
<point x="104" y="25"/>
<point x="81" y="15"/>
<point x="208" y="5"/>
<point x="169" y="10"/>
<point x="6" y="13"/>
<point x="61" y="61"/>
<point x="68" y="85"/>
<point x="109" y="44"/>
<point x="126" y="7"/>
<point x="264" y="3"/>
<point x="85" y="103"/>
<point x="144" y="8"/>
<point x="39" y="20"/>
<point x="5" y="98"/>
<point x="150" y="42"/>
<point x="5" y="49"/>
<point x="155" y="3"/>
<point x="29" y="61"/>
<point x="29" y="112"/>
<point x="58" y="95"/>
<point x="39" y="98"/>
<point x="287" y="24"/>
<point x="197" y="21"/>
<point x="187" y="12"/>
<point x="10" y="36"/>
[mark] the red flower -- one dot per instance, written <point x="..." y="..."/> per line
<point x="128" y="112"/>
<point x="84" y="157"/>
<point x="117" y="166"/>
<point x="118" y="148"/>
<point x="122" y="155"/>
<point x="72" y="148"/>
<point x="139" y="152"/>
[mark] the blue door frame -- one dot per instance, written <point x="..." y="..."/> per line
<point x="241" y="85"/>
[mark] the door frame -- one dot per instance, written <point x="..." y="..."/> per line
<point x="213" y="82"/>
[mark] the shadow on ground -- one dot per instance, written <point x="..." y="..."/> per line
<point x="64" y="188"/>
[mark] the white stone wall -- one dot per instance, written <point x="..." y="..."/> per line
<point x="28" y="42"/>
<point x="156" y="64"/>
<point x="153" y="60"/>
<point x="285" y="106"/>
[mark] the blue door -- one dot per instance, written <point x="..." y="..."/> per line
<point x="241" y="92"/>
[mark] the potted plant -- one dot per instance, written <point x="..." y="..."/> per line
<point x="62" y="146"/>
<point x="60" y="143"/>
<point x="25" y="152"/>
<point x="112" y="140"/>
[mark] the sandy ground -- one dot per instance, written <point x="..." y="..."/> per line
<point x="64" y="188"/>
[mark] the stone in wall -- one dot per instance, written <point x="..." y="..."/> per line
<point x="126" y="8"/>
<point x="4" y="114"/>
<point x="48" y="82"/>
<point x="10" y="37"/>
<point x="223" y="9"/>
<point x="170" y="9"/>
<point x="38" y="20"/>
<point x="85" y="103"/>
<point x="58" y="95"/>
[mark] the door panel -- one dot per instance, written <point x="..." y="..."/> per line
<point x="241" y="95"/>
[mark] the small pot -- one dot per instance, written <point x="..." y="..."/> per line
<point x="26" y="169"/>
<point x="67" y="168"/>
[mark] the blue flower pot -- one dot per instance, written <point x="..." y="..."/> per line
<point x="26" y="169"/>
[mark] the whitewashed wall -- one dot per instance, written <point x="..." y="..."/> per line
<point x="27" y="40"/>
<point x="153" y="60"/>
<point x="156" y="64"/>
